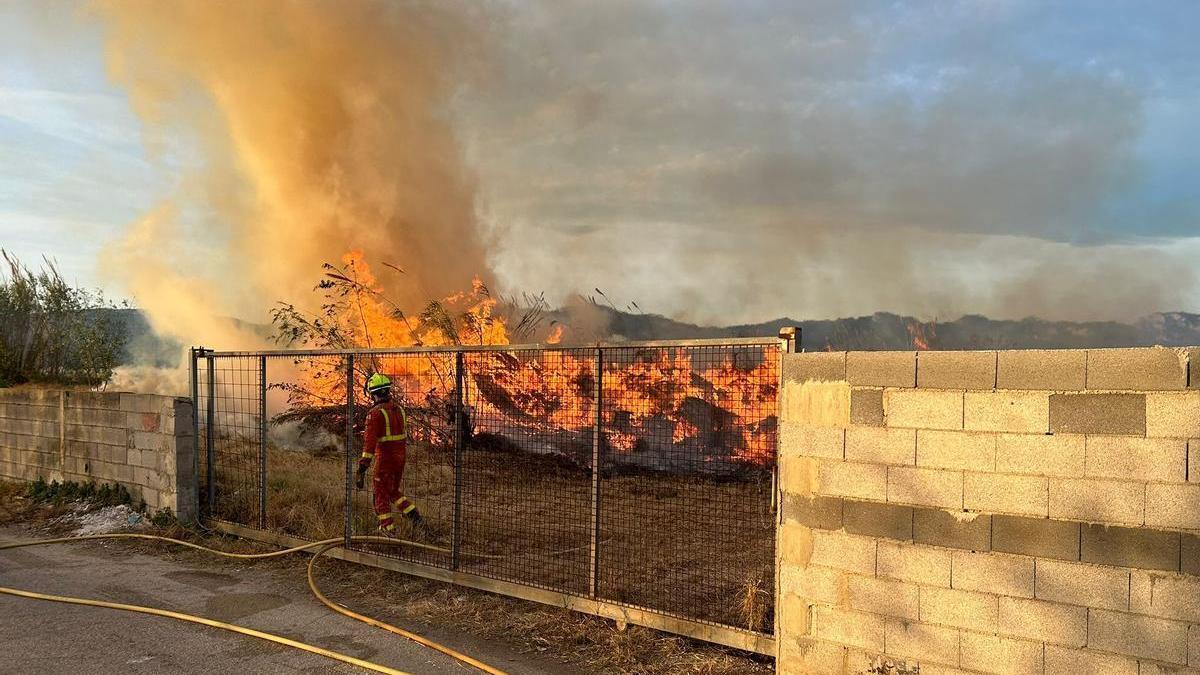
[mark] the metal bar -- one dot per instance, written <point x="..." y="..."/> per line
<point x="208" y="436"/>
<point x="194" y="375"/>
<point x="459" y="440"/>
<point x="597" y="441"/>
<point x="262" y="442"/>
<point x="729" y="636"/>
<point x="349" y="507"/>
<point x="714" y="342"/>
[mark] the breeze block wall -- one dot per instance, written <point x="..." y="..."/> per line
<point x="141" y="441"/>
<point x="992" y="512"/>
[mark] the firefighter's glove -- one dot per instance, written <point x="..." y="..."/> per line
<point x="360" y="478"/>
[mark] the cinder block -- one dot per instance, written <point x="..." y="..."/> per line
<point x="1044" y="369"/>
<point x="1001" y="493"/>
<point x="1038" y="537"/>
<point x="1189" y="554"/>
<point x="818" y="584"/>
<point x="956" y="450"/>
<point x="1173" y="506"/>
<point x="873" y="519"/>
<point x="883" y="446"/>
<point x="1152" y="369"/>
<point x="866" y="407"/>
<point x="1045" y="621"/>
<point x="1085" y="585"/>
<point x="823" y="513"/>
<point x="1013" y="411"/>
<point x="882" y="596"/>
<point x="809" y="366"/>
<point x="1136" y="635"/>
<point x="803" y="655"/>
<point x="1129" y="547"/>
<point x="921" y="641"/>
<point x="849" y="479"/>
<point x="992" y="573"/>
<point x="919" y="564"/>
<point x="956" y="370"/>
<point x="798" y="440"/>
<point x="961" y="609"/>
<point x="844" y="552"/>
<point x="1169" y="596"/>
<point x="1134" y="458"/>
<point x="849" y="628"/>
<point x="970" y="531"/>
<point x="1117" y="414"/>
<point x="1063" y="661"/>
<point x="1173" y="415"/>
<point x="1045" y="455"/>
<point x="923" y="409"/>
<point x="925" y="487"/>
<point x="95" y="400"/>
<point x="882" y="369"/>
<point x="148" y="441"/>
<point x="1102" y="501"/>
<point x="1004" y="656"/>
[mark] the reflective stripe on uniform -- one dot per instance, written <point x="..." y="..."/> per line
<point x="367" y="455"/>
<point x="387" y="427"/>
<point x="404" y="506"/>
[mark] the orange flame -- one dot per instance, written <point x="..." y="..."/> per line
<point x="922" y="335"/>
<point x="649" y="393"/>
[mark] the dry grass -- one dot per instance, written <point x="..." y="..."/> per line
<point x="686" y="545"/>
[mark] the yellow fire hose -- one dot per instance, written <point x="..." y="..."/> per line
<point x="320" y="546"/>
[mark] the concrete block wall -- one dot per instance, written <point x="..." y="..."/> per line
<point x="141" y="441"/>
<point x="990" y="512"/>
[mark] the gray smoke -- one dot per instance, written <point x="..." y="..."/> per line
<point x="737" y="161"/>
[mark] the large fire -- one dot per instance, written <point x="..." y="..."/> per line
<point x="689" y="404"/>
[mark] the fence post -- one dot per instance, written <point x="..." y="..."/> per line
<point x="349" y="524"/>
<point x="597" y="441"/>
<point x="208" y="436"/>
<point x="459" y="440"/>
<point x="262" y="442"/>
<point x="195" y="381"/>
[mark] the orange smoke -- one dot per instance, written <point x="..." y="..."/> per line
<point x="304" y="129"/>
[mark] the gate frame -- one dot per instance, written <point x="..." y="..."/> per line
<point x="623" y="614"/>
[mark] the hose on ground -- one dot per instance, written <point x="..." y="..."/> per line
<point x="321" y="547"/>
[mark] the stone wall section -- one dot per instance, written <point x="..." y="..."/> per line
<point x="141" y="441"/>
<point x="990" y="512"/>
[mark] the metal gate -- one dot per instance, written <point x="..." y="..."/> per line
<point x="634" y="478"/>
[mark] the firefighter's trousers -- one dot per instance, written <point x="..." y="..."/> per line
<point x="390" y="504"/>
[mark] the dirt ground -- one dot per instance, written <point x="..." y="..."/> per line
<point x="693" y="546"/>
<point x="578" y="643"/>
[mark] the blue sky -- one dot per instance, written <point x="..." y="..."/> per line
<point x="726" y="162"/>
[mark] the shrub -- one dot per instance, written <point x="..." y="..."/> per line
<point x="53" y="332"/>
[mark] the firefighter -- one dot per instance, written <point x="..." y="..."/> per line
<point x="385" y="434"/>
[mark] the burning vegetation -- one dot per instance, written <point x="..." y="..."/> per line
<point x="676" y="409"/>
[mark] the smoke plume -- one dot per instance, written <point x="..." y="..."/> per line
<point x="315" y="128"/>
<point x="717" y="162"/>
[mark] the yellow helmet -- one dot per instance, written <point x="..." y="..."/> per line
<point x="378" y="383"/>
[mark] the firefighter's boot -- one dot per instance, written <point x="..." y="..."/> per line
<point x="420" y="529"/>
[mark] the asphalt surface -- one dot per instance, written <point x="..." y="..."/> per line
<point x="51" y="637"/>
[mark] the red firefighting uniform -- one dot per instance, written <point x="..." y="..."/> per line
<point x="384" y="443"/>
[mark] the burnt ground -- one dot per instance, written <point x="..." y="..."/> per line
<point x="513" y="634"/>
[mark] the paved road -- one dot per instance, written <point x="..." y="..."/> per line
<point x="47" y="637"/>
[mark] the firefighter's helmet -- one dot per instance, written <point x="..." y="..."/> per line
<point x="378" y="385"/>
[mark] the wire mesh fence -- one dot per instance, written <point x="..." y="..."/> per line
<point x="638" y="475"/>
